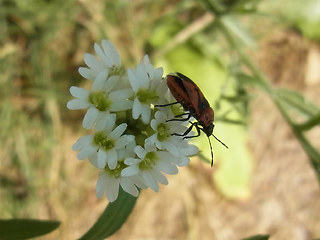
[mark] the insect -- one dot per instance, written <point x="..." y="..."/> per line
<point x="189" y="95"/>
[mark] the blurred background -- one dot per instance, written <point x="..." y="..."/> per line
<point x="247" y="56"/>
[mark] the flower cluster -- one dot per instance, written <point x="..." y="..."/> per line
<point x="132" y="142"/>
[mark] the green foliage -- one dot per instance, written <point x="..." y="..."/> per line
<point x="305" y="16"/>
<point x="257" y="237"/>
<point x="112" y="218"/>
<point x="16" y="229"/>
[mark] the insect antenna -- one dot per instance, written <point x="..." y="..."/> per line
<point x="219" y="141"/>
<point x="211" y="152"/>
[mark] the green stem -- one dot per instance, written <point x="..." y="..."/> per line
<point x="314" y="121"/>
<point x="314" y="156"/>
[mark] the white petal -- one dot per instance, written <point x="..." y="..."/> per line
<point x="121" y="105"/>
<point x="190" y="151"/>
<point x="146" y="113"/>
<point x="132" y="161"/>
<point x="120" y="94"/>
<point x="92" y="62"/>
<point x="159" y="177"/>
<point x="78" y="92"/>
<point x="86" y="152"/>
<point x="136" y="108"/>
<point x="123" y="141"/>
<point x="100" y="80"/>
<point x="111" y="83"/>
<point x="93" y="159"/>
<point x="110" y="121"/>
<point x="154" y="124"/>
<point x="150" y="181"/>
<point x="130" y="171"/>
<point x="183" y="161"/>
<point x="134" y="81"/>
<point x="117" y="132"/>
<point x="101" y="121"/>
<point x="100" y="53"/>
<point x="102" y="158"/>
<point x="101" y="186"/>
<point x="90" y="118"/>
<point x="112" y="159"/>
<point x="76" y="104"/>
<point x="111" y="53"/>
<point x="113" y="189"/>
<point x="158" y="73"/>
<point x="141" y="153"/>
<point x="129" y="187"/>
<point x="142" y="76"/>
<point x="82" y="142"/>
<point x="149" y="147"/>
<point x="160" y="117"/>
<point x="152" y="139"/>
<point x="138" y="181"/>
<point x="171" y="147"/>
<point x="87" y="73"/>
<point x="166" y="167"/>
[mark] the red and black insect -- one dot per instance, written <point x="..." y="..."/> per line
<point x="188" y="94"/>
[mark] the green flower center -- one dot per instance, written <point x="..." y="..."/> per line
<point x="102" y="140"/>
<point x="149" y="161"/>
<point x="116" y="173"/>
<point x="147" y="96"/>
<point x="163" y="132"/>
<point x="116" y="71"/>
<point x="177" y="109"/>
<point x="100" y="100"/>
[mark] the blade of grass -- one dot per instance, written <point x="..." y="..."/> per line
<point x="114" y="216"/>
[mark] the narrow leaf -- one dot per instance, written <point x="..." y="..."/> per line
<point x="16" y="229"/>
<point x="257" y="237"/>
<point x="233" y="26"/>
<point x="249" y="80"/>
<point x="298" y="102"/>
<point x="114" y="216"/>
<point x="312" y="122"/>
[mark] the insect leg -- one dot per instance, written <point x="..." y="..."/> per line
<point x="180" y="115"/>
<point x="165" y="105"/>
<point x="189" y="130"/>
<point x="180" y="119"/>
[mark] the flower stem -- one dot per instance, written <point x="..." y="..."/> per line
<point x="263" y="82"/>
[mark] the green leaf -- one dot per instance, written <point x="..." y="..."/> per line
<point x="233" y="184"/>
<point x="249" y="80"/>
<point x="312" y="122"/>
<point x="114" y="216"/>
<point x="298" y="102"/>
<point x="235" y="28"/>
<point x="16" y="229"/>
<point x="257" y="237"/>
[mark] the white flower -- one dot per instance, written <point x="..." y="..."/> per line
<point x="109" y="60"/>
<point x="100" y="100"/>
<point x="149" y="165"/>
<point x="130" y="151"/>
<point x="109" y="180"/>
<point x="103" y="145"/>
<point x="186" y="150"/>
<point x="149" y="87"/>
<point x="162" y="137"/>
<point x="108" y="184"/>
